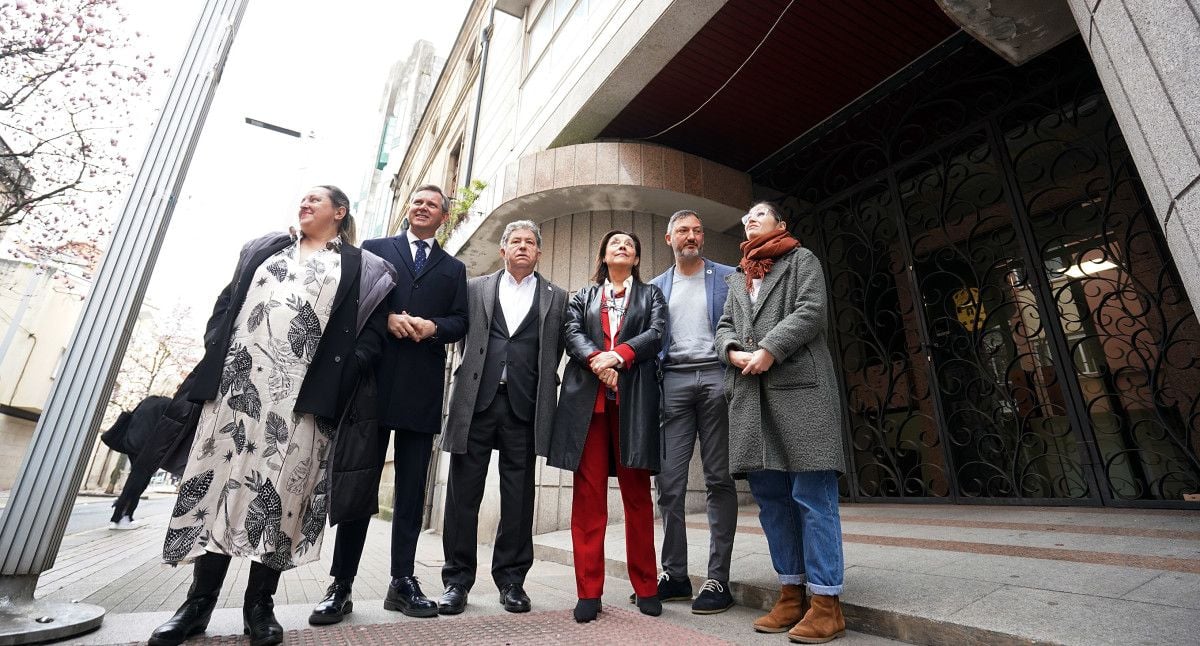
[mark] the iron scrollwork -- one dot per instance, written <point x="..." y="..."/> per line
<point x="1132" y="336"/>
<point x="1007" y="319"/>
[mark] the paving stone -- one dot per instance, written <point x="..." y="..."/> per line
<point x="1171" y="589"/>
<point x="916" y="592"/>
<point x="911" y="593"/>
<point x="1080" y="619"/>
<point x="1043" y="574"/>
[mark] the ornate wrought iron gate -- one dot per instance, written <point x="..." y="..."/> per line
<point x="1007" y="320"/>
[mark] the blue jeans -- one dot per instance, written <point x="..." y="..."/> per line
<point x="799" y="516"/>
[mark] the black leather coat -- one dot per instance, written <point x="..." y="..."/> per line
<point x="642" y="329"/>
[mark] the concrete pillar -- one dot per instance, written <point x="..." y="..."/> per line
<point x="1147" y="53"/>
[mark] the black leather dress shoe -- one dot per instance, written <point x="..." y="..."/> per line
<point x="513" y="598"/>
<point x="335" y="606"/>
<point x="404" y="594"/>
<point x="454" y="600"/>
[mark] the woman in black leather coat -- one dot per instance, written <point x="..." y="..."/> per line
<point x="607" y="417"/>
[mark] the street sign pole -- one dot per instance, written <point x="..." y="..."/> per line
<point x="33" y="522"/>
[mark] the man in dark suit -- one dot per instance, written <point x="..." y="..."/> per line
<point x="428" y="309"/>
<point x="504" y="395"/>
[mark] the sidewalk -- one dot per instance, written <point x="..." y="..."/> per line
<point x="968" y="574"/>
<point x="926" y="574"/>
<point x="121" y="572"/>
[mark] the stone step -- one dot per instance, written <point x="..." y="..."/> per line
<point x="981" y="575"/>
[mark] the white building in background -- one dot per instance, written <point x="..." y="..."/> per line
<point x="39" y="307"/>
<point x="405" y="96"/>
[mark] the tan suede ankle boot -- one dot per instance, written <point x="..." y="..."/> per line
<point x="823" y="622"/>
<point x="788" y="609"/>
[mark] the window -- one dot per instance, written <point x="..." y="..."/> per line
<point x="539" y="34"/>
<point x="557" y="21"/>
<point x="452" y="164"/>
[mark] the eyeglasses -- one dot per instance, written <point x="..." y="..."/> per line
<point x="757" y="216"/>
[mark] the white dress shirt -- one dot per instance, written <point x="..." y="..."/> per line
<point x="412" y="246"/>
<point x="516" y="298"/>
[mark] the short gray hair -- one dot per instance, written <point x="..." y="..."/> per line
<point x="521" y="224"/>
<point x="679" y="215"/>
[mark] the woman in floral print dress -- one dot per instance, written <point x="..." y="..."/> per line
<point x="279" y="371"/>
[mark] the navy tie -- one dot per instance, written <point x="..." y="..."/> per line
<point x="421" y="257"/>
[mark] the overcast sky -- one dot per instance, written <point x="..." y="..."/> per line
<point x="314" y="66"/>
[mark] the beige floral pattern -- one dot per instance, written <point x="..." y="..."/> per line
<point x="255" y="485"/>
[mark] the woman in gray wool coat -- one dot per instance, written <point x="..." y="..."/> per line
<point x="785" y="431"/>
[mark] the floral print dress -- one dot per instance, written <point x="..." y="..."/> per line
<point x="255" y="482"/>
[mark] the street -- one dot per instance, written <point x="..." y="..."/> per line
<point x="93" y="512"/>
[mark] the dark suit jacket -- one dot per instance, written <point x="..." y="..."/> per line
<point x="551" y="307"/>
<point x="411" y="376"/>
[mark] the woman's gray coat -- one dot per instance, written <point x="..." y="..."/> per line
<point x="790" y="417"/>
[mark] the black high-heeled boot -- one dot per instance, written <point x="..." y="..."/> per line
<point x="208" y="573"/>
<point x="258" y="613"/>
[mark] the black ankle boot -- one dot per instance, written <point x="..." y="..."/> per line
<point x="587" y="609"/>
<point x="258" y="613"/>
<point x="208" y="574"/>
<point x="259" y="622"/>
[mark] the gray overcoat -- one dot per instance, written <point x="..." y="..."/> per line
<point x="790" y="417"/>
<point x="481" y="300"/>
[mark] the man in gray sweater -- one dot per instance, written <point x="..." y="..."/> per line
<point x="693" y="407"/>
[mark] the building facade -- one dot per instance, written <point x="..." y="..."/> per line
<point x="1002" y="195"/>
<point x="404" y="98"/>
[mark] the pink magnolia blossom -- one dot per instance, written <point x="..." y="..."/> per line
<point x="72" y="81"/>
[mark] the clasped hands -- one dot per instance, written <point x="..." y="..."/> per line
<point x="751" y="363"/>
<point x="604" y="365"/>
<point x="407" y="326"/>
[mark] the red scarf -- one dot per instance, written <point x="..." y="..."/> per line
<point x="759" y="254"/>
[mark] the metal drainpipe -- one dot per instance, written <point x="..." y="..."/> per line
<point x="485" y="38"/>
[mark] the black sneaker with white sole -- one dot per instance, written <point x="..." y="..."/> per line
<point x="671" y="589"/>
<point x="714" y="597"/>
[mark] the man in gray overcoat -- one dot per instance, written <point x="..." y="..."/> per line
<point x="503" y="398"/>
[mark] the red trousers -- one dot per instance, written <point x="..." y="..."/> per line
<point x="589" y="511"/>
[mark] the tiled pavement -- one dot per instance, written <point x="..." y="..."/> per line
<point x="123" y="572"/>
<point x="139" y="594"/>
